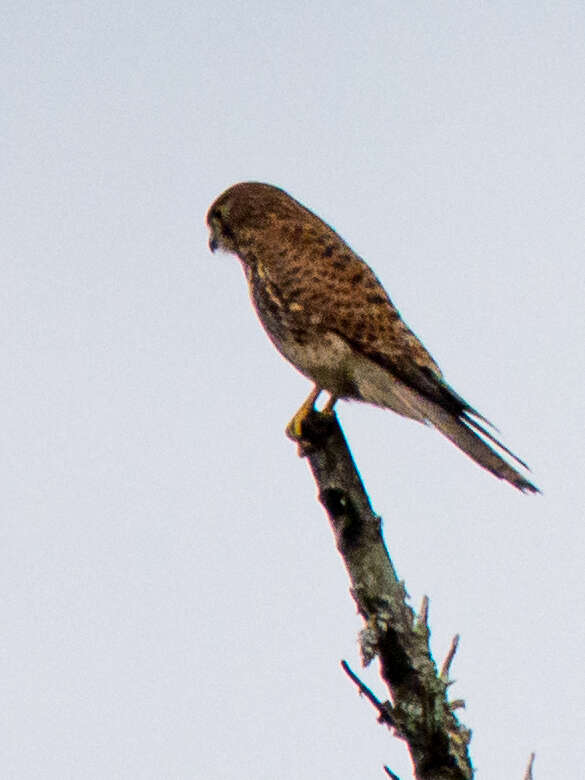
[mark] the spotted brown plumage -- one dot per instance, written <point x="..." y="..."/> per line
<point x="328" y="314"/>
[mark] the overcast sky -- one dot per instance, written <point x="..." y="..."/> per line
<point x="173" y="603"/>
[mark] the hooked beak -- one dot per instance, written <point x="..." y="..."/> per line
<point x="213" y="243"/>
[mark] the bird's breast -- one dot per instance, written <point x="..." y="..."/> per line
<point x="299" y="336"/>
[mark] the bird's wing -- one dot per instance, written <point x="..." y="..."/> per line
<point x="375" y="330"/>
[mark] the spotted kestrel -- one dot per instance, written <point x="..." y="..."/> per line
<point x="326" y="312"/>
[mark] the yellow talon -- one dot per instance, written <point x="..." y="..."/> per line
<point x="295" y="427"/>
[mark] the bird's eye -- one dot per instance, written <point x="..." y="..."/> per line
<point x="216" y="214"/>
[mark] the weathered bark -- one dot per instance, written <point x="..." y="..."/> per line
<point x="419" y="711"/>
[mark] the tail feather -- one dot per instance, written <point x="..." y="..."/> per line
<point x="474" y="424"/>
<point x="458" y="430"/>
<point x="426" y="397"/>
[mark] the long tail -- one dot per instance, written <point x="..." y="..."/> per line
<point x="459" y="429"/>
<point x="423" y="395"/>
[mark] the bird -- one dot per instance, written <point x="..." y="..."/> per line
<point x="328" y="314"/>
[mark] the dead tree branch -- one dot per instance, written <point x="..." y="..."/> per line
<point x="419" y="712"/>
<point x="384" y="708"/>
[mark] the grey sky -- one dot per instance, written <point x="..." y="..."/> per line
<point x="173" y="605"/>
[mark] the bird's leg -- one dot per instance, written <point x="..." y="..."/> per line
<point x="294" y="428"/>
<point x="328" y="408"/>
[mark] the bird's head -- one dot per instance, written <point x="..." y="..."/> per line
<point x="221" y="234"/>
<point x="244" y="210"/>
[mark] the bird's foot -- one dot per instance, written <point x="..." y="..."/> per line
<point x="294" y="430"/>
<point x="309" y="427"/>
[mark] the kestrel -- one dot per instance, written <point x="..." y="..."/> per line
<point x="326" y="312"/>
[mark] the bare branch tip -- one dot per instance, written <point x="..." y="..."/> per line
<point x="384" y="708"/>
<point x="449" y="659"/>
<point x="390" y="773"/>
<point x="423" y="615"/>
<point x="528" y="774"/>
